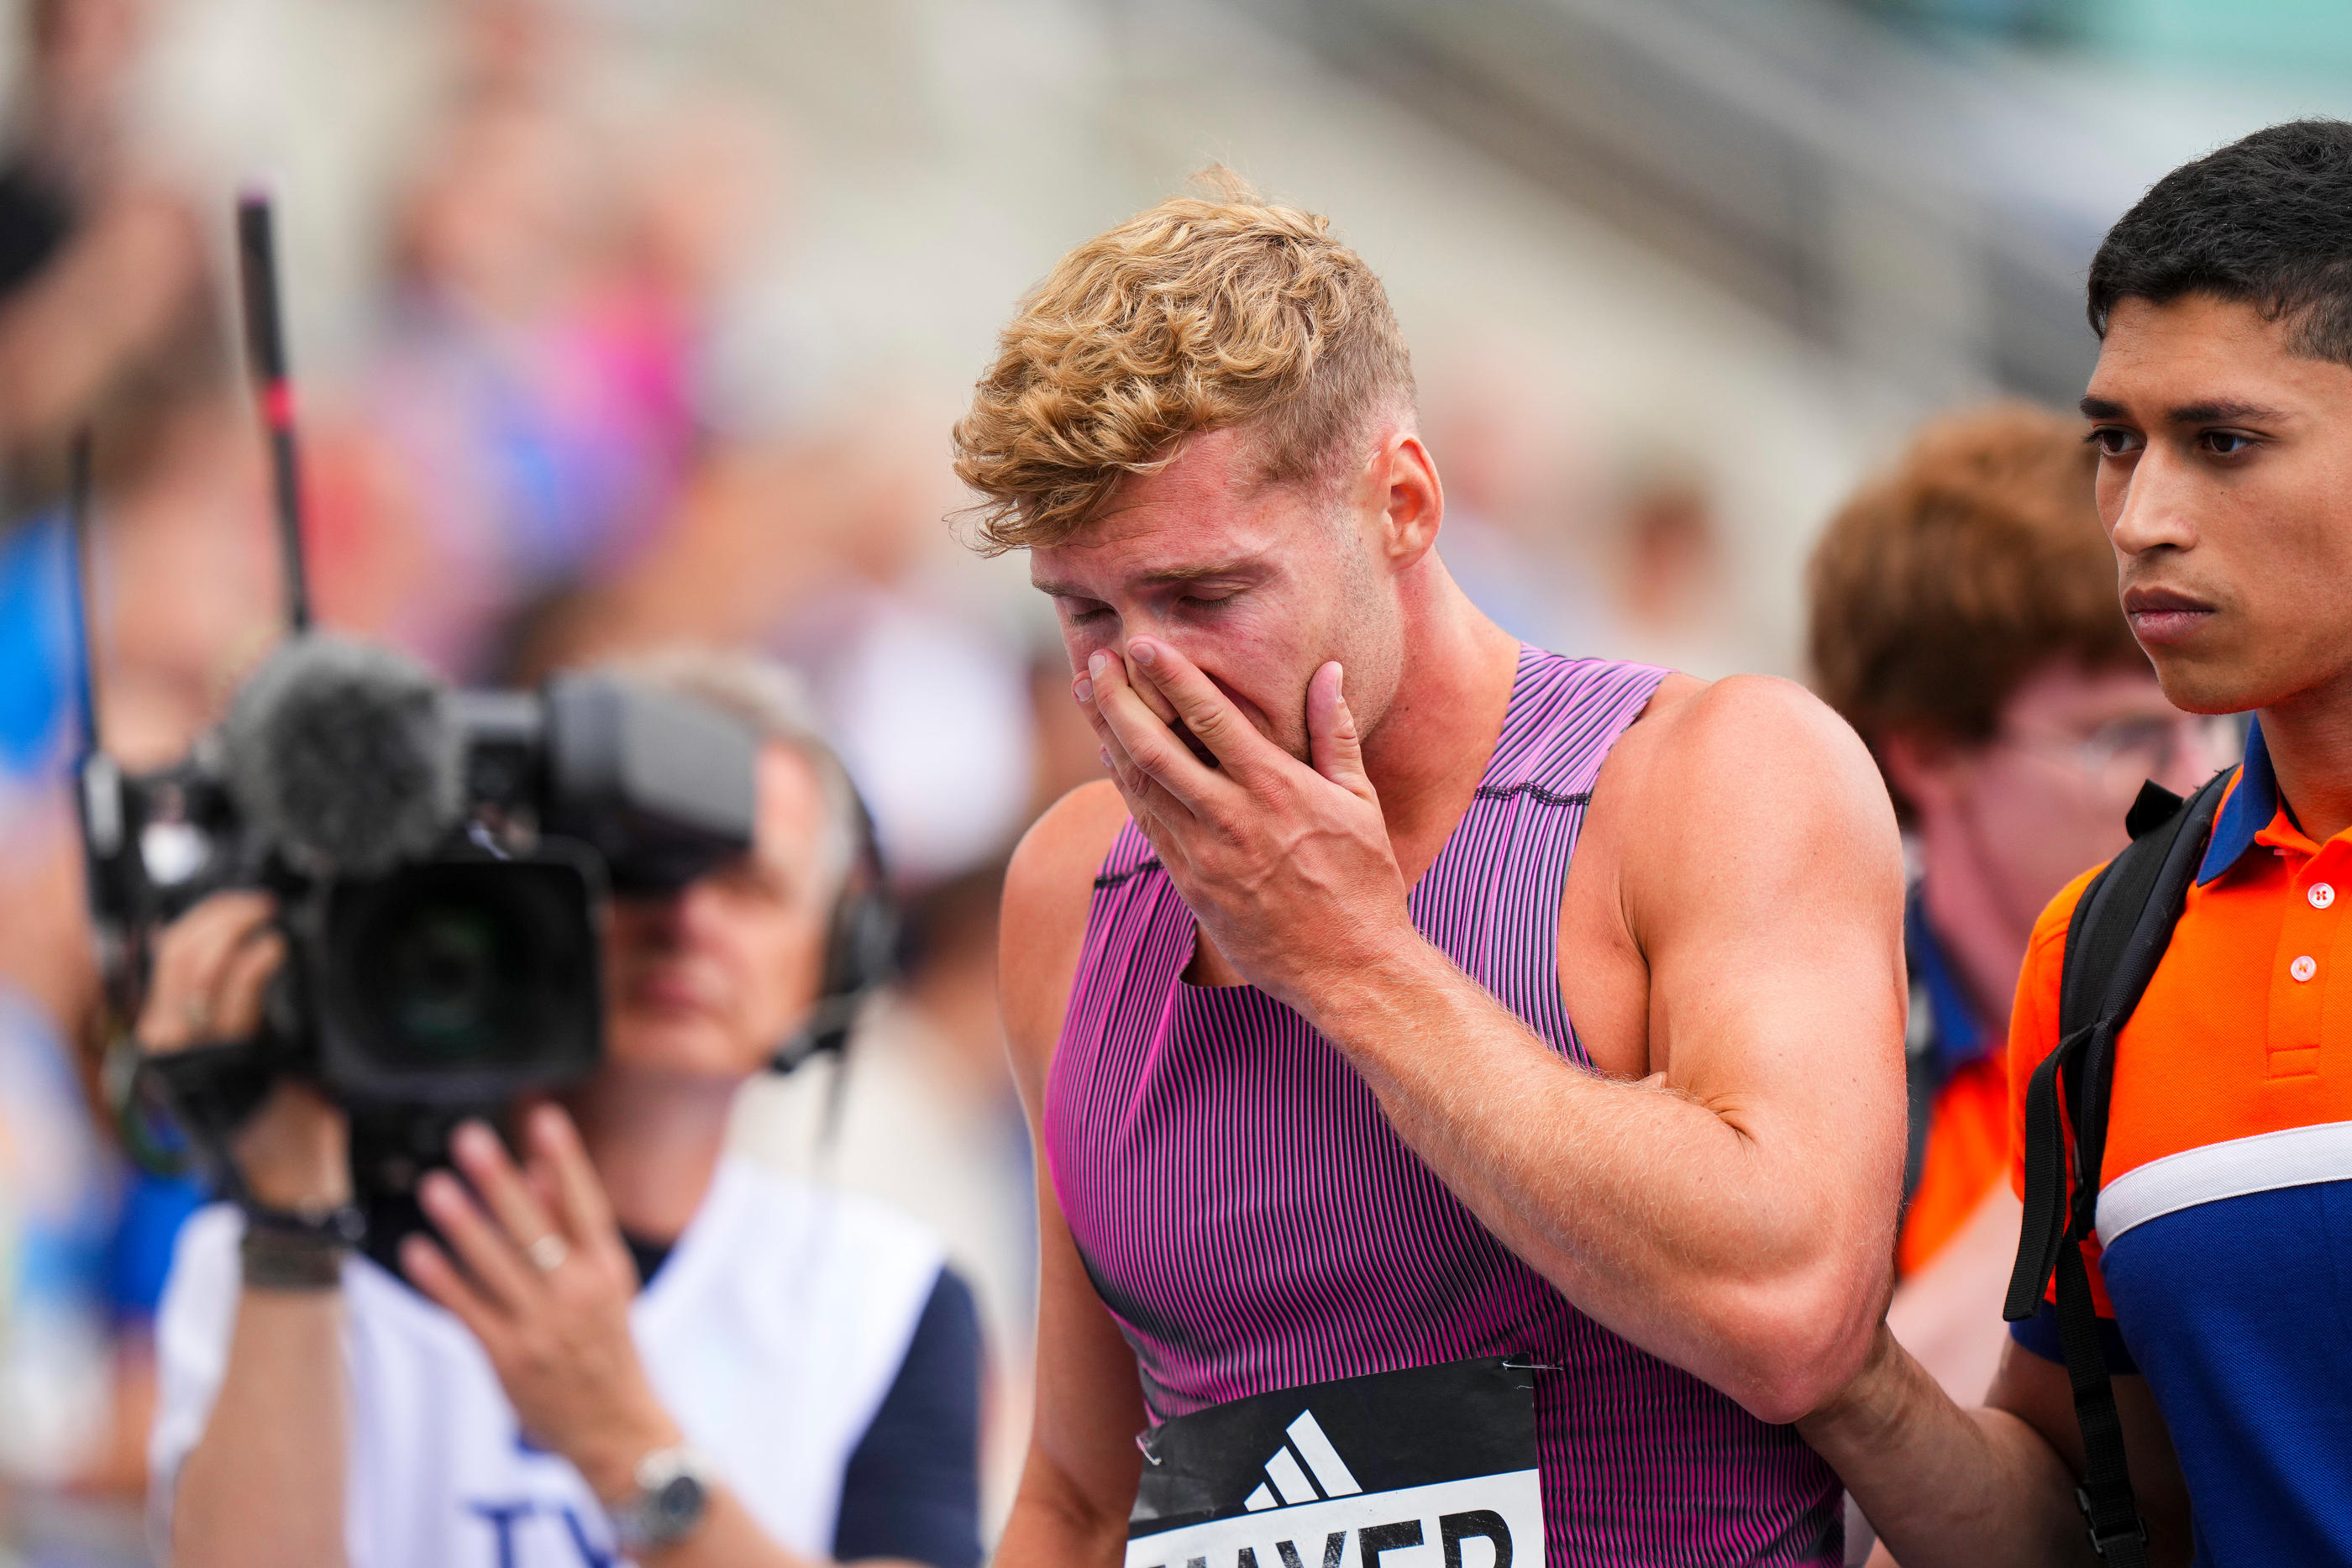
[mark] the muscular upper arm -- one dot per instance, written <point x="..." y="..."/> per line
<point x="1080" y="1477"/>
<point x="1759" y="878"/>
<point x="2037" y="1393"/>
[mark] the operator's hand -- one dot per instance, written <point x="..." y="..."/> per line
<point x="546" y="1289"/>
<point x="1288" y="867"/>
<point x="212" y="968"/>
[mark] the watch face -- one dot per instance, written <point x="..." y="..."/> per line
<point x="679" y="1503"/>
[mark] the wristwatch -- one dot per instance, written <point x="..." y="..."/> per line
<point x="673" y="1498"/>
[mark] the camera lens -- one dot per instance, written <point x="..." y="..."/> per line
<point x="454" y="978"/>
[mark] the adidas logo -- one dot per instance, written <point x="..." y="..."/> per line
<point x="1307" y="1468"/>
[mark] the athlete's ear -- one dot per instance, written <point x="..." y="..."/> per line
<point x="1412" y="502"/>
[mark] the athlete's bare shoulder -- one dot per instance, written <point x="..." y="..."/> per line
<point x="1720" y="768"/>
<point x="1048" y="889"/>
<point x="1733" y="727"/>
<point x="1720" y="793"/>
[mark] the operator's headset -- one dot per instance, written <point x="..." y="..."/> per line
<point x="861" y="947"/>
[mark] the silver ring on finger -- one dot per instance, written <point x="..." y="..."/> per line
<point x="547" y="1254"/>
<point x="196" y="1013"/>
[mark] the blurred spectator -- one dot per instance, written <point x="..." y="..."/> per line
<point x="530" y="422"/>
<point x="538" y="423"/>
<point x="829" y="549"/>
<point x="84" y="1239"/>
<point x="1965" y="619"/>
<point x="60" y="1188"/>
<point x="102" y="266"/>
<point x="1519" y="504"/>
<point x="1673" y="602"/>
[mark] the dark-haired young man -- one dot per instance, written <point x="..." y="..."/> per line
<point x="2222" y="408"/>
<point x="1964" y="621"/>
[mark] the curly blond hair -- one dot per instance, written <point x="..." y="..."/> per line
<point x="1203" y="313"/>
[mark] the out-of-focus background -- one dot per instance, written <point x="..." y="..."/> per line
<point x="620" y="321"/>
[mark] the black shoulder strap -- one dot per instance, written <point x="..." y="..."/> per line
<point x="2120" y="929"/>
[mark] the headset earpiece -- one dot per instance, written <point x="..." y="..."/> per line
<point x="861" y="952"/>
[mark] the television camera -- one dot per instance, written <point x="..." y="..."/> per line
<point x="441" y="858"/>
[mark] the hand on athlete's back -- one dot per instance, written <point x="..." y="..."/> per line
<point x="1288" y="867"/>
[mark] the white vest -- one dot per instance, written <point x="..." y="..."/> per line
<point x="770" y="1335"/>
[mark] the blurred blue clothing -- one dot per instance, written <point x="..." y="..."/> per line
<point x="145" y="1230"/>
<point x="92" y="1236"/>
<point x="1960" y="1035"/>
<point x="39" y="664"/>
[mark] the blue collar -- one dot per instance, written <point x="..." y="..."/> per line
<point x="2247" y="811"/>
<point x="1960" y="1035"/>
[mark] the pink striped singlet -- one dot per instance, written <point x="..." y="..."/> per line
<point x="1254" y="1222"/>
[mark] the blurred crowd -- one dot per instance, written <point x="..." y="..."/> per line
<point x="564" y="436"/>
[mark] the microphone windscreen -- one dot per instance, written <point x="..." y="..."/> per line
<point x="342" y="754"/>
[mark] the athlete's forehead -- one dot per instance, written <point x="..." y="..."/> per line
<point x="1081" y="570"/>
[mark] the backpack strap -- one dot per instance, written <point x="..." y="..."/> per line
<point x="2117" y="936"/>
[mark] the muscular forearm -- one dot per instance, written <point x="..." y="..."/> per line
<point x="1943" y="1486"/>
<point x="265" y="1485"/>
<point x="1699" y="1233"/>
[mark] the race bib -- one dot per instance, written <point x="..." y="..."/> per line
<point x="1429" y="1468"/>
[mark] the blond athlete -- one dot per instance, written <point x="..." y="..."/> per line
<point x="1417" y="1026"/>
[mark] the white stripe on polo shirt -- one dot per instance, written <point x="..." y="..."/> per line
<point x="2265" y="1162"/>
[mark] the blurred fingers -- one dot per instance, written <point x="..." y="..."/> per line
<point x="237" y="1000"/>
<point x="560" y="1165"/>
<point x="430" y="1270"/>
<point x="500" y="1270"/>
<point x="477" y="1151"/>
<point x="191" y="956"/>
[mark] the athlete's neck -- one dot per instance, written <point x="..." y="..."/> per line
<point x="655" y="1140"/>
<point x="1432" y="744"/>
<point x="2310" y="741"/>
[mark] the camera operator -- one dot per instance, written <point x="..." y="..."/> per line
<point x="626" y="1346"/>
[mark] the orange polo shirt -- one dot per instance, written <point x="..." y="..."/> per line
<point x="1967" y="1150"/>
<point x="2224" y="1254"/>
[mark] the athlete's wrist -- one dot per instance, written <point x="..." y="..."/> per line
<point x="1871" y="1404"/>
<point x="1377" y="982"/>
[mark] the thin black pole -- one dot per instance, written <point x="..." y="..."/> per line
<point x="82" y="599"/>
<point x="265" y="347"/>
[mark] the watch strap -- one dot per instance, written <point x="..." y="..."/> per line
<point x="286" y="1251"/>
